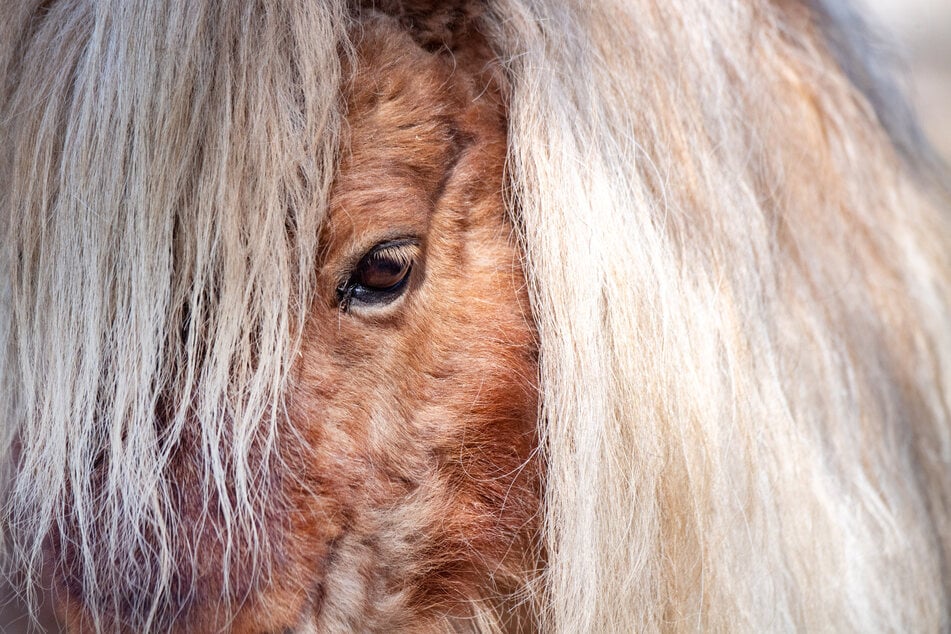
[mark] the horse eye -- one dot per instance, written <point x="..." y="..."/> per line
<point x="380" y="276"/>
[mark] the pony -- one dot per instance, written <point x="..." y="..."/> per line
<point x="503" y="315"/>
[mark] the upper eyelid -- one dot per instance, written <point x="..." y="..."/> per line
<point x="399" y="243"/>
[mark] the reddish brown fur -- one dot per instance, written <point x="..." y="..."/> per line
<point x="421" y="420"/>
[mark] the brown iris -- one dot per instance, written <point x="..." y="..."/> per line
<point x="380" y="276"/>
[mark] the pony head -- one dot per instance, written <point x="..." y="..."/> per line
<point x="477" y="316"/>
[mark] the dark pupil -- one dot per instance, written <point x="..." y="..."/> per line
<point x="381" y="272"/>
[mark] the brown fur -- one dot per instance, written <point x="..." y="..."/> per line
<point x="427" y="476"/>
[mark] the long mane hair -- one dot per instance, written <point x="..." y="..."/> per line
<point x="739" y="270"/>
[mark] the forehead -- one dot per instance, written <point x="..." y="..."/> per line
<point x="401" y="138"/>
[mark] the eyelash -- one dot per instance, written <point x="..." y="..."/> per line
<point x="394" y="258"/>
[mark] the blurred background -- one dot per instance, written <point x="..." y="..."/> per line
<point x="920" y="31"/>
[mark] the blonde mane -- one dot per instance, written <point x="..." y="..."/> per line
<point x="741" y="289"/>
<point x="166" y="174"/>
<point x="742" y="297"/>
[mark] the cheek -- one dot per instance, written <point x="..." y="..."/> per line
<point x="416" y="438"/>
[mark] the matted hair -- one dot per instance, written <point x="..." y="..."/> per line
<point x="741" y="289"/>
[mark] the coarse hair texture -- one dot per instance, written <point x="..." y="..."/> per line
<point x="166" y="172"/>
<point x="741" y="289"/>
